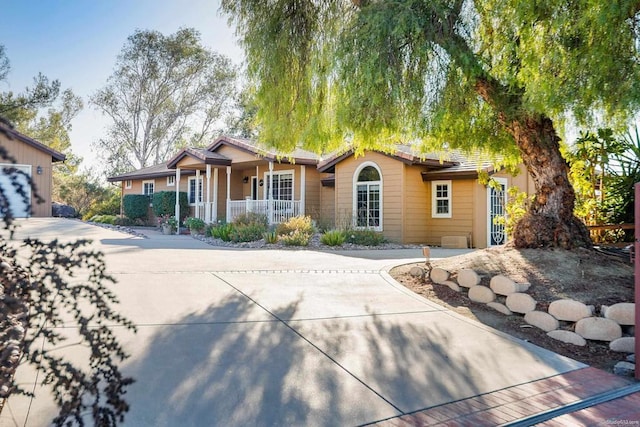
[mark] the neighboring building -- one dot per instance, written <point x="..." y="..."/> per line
<point x="28" y="159"/>
<point x="410" y="198"/>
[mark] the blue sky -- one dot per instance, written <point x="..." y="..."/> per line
<point x="77" y="41"/>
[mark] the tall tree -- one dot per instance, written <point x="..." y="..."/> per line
<point x="489" y="75"/>
<point x="166" y="91"/>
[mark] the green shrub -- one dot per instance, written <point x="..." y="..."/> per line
<point x="296" y="238"/>
<point x="247" y="232"/>
<point x="104" y="219"/>
<point x="136" y="206"/>
<point x="164" y="203"/>
<point x="124" y="221"/>
<point x="365" y="237"/>
<point x="251" y="218"/>
<point x="302" y="224"/>
<point x="270" y="237"/>
<point x="195" y="225"/>
<point x="221" y="231"/>
<point x="333" y="238"/>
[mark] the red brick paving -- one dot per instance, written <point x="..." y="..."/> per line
<point x="524" y="400"/>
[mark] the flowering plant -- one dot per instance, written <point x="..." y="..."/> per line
<point x="169" y="220"/>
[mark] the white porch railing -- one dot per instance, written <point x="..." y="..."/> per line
<point x="276" y="211"/>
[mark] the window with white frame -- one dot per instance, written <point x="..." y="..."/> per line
<point x="282" y="185"/>
<point x="128" y="184"/>
<point x="171" y="181"/>
<point x="441" y="199"/>
<point x="148" y="187"/>
<point x="367" y="199"/>
<point x="194" y="191"/>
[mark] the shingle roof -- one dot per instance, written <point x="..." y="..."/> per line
<point x="299" y="156"/>
<point x="155" y="171"/>
<point x="207" y="157"/>
<point x="7" y="129"/>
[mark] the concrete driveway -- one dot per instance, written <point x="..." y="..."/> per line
<point x="284" y="337"/>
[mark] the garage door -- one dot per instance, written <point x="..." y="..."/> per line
<point x="13" y="177"/>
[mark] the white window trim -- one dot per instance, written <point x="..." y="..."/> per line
<point x="193" y="178"/>
<point x="149" y="181"/>
<point x="291" y="172"/>
<point x="128" y="183"/>
<point x="355" y="195"/>
<point x="171" y="181"/>
<point x="434" y="199"/>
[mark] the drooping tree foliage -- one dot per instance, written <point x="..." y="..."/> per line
<point x="165" y="92"/>
<point x="493" y="76"/>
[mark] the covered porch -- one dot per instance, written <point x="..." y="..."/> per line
<point x="223" y="190"/>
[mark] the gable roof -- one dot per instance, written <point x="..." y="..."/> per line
<point x="11" y="133"/>
<point x="298" y="156"/>
<point x="205" y="156"/>
<point x="155" y="171"/>
<point x="403" y="153"/>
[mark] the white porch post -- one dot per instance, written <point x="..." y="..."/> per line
<point x="270" y="190"/>
<point x="228" y="193"/>
<point x="196" y="212"/>
<point x="215" y="194"/>
<point x="178" y="199"/>
<point x="303" y="188"/>
<point x="207" y="208"/>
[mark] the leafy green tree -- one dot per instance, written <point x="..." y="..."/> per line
<point x="84" y="193"/>
<point x="166" y="91"/>
<point x="494" y="76"/>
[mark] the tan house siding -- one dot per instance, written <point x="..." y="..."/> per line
<point x="416" y="206"/>
<point x="462" y="207"/>
<point x="27" y="155"/>
<point x="392" y="181"/>
<point x="327" y="211"/>
<point x="312" y="192"/>
<point x="238" y="156"/>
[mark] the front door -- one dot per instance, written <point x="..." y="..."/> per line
<point x="496" y="203"/>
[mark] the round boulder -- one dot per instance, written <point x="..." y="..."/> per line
<point x="416" y="271"/>
<point x="520" y="303"/>
<point x="598" y="329"/>
<point x="623" y="345"/>
<point x="502" y="285"/>
<point x="500" y="308"/>
<point x="568" y="310"/>
<point x="468" y="278"/>
<point x="439" y="275"/>
<point x="453" y="285"/>
<point x="542" y="320"/>
<point x="481" y="294"/>
<point x="622" y="313"/>
<point x="567" y="337"/>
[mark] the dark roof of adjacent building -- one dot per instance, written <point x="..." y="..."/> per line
<point x="7" y="128"/>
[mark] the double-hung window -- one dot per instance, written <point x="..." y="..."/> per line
<point x="195" y="192"/>
<point x="282" y="185"/>
<point x="171" y="181"/>
<point x="128" y="184"/>
<point x="441" y="199"/>
<point x="148" y="187"/>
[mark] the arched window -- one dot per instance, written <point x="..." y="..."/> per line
<point x="367" y="196"/>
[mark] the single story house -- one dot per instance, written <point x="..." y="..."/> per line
<point x="233" y="176"/>
<point x="27" y="159"/>
<point x="409" y="197"/>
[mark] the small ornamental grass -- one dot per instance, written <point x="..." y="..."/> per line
<point x="221" y="231"/>
<point x="333" y="238"/>
<point x="270" y="237"/>
<point x="297" y="231"/>
<point x="104" y="219"/>
<point x="365" y="237"/>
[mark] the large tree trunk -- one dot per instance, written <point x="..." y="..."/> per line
<point x="550" y="221"/>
